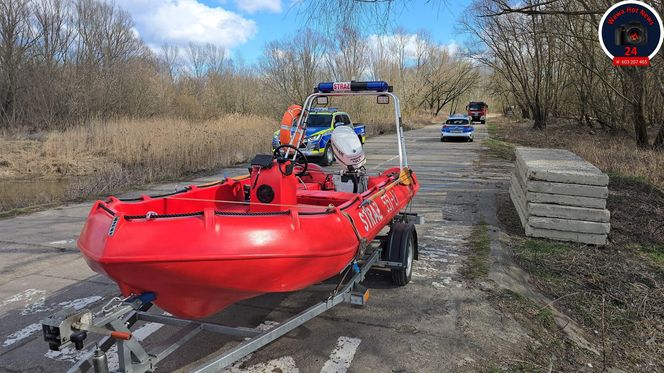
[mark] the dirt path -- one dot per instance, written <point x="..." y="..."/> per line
<point x="439" y="322"/>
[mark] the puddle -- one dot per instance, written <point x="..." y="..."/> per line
<point x="23" y="193"/>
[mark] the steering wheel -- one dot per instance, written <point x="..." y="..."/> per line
<point x="301" y="156"/>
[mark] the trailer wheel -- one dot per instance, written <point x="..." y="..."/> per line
<point x="402" y="247"/>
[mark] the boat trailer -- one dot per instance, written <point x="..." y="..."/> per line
<point x="71" y="327"/>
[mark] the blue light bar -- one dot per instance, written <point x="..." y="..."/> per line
<point x="325" y="87"/>
<point x="373" y="86"/>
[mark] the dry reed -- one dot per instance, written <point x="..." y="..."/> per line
<point x="163" y="148"/>
<point x="109" y="156"/>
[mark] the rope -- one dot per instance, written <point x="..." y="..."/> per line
<point x="153" y="215"/>
<point x="230" y="213"/>
<point x="232" y="202"/>
<point x="103" y="207"/>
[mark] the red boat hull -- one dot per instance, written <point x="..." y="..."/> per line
<point x="205" y="251"/>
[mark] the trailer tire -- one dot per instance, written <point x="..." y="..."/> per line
<point x="402" y="247"/>
<point x="483" y="121"/>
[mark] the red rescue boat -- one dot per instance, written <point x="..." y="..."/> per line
<point x="282" y="228"/>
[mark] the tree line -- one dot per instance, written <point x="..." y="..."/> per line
<point x="547" y="62"/>
<point x="64" y="62"/>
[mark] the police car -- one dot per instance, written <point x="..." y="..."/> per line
<point x="457" y="126"/>
<point x="320" y="124"/>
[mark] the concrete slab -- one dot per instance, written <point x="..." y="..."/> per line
<point x="567" y="189"/>
<point x="568" y="212"/>
<point x="587" y="238"/>
<point x="559" y="165"/>
<point x="559" y="199"/>
<point x="518" y="205"/>
<point x="577" y="226"/>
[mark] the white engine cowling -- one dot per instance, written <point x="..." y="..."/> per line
<point x="347" y="147"/>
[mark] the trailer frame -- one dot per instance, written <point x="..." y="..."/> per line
<point x="68" y="326"/>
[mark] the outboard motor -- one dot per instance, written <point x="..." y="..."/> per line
<point x="348" y="151"/>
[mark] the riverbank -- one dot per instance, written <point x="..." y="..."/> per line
<point x="111" y="157"/>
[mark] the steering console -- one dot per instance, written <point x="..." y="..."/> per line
<point x="301" y="159"/>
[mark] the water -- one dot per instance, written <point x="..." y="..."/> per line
<point x="18" y="193"/>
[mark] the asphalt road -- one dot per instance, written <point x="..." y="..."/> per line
<point x="439" y="322"/>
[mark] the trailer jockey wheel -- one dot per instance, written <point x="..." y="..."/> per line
<point x="402" y="248"/>
<point x="301" y="159"/>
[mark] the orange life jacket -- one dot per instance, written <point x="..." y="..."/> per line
<point x="287" y="122"/>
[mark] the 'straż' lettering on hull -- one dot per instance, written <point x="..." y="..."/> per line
<point x="371" y="215"/>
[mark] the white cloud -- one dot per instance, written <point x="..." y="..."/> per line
<point x="182" y="21"/>
<point x="410" y="42"/>
<point x="453" y="47"/>
<point x="389" y="42"/>
<point x="253" y="6"/>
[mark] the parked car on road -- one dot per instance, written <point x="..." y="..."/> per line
<point x="320" y="124"/>
<point x="457" y="126"/>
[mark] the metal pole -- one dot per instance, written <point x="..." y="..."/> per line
<point x="403" y="161"/>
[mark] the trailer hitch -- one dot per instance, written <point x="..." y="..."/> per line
<point x="71" y="326"/>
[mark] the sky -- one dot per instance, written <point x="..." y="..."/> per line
<point x="245" y="26"/>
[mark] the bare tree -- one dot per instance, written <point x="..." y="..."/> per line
<point x="293" y="67"/>
<point x="592" y="89"/>
<point x="519" y="48"/>
<point x="171" y="59"/>
<point x="16" y="37"/>
<point x="444" y="78"/>
<point x="347" y="56"/>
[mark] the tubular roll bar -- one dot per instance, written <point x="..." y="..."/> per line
<point x="307" y="107"/>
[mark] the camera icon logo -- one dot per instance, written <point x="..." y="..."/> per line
<point x="632" y="33"/>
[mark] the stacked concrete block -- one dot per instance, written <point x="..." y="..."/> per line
<point x="560" y="196"/>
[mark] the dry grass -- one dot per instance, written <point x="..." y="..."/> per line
<point x="163" y="148"/>
<point x="614" y="293"/>
<point x="166" y="148"/>
<point x="615" y="154"/>
<point x="108" y="156"/>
